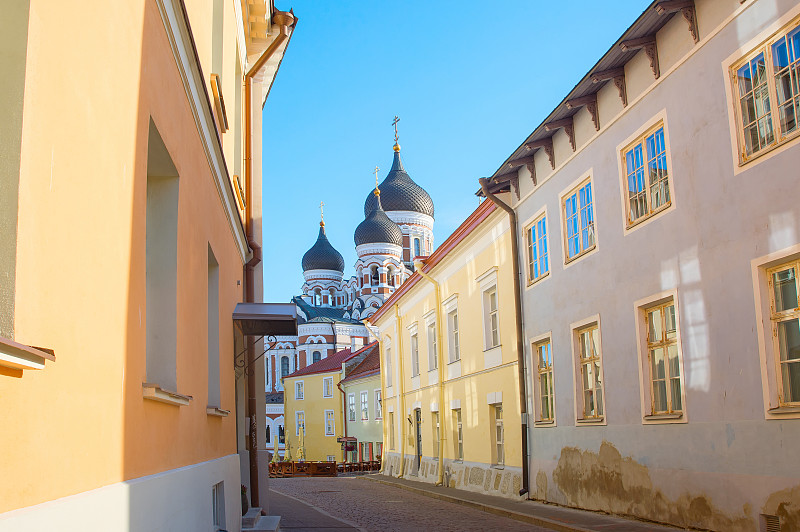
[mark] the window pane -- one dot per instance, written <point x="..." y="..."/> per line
<point x="784" y="285"/>
<point x="672" y="355"/>
<point x="671" y="327"/>
<point x="745" y="81"/>
<point x="659" y="396"/>
<point x="599" y="394"/>
<point x="657" y="361"/>
<point x="675" y="390"/>
<point x="654" y="326"/>
<point x="789" y="340"/>
<point x="790" y="374"/>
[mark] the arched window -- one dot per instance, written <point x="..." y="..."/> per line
<point x="284" y="366"/>
<point x="268" y="434"/>
<point x="281" y="434"/>
<point x="375" y="278"/>
<point x="390" y="276"/>
<point x="416" y="247"/>
<point x="332" y="293"/>
<point x="317" y="297"/>
<point x="316" y="356"/>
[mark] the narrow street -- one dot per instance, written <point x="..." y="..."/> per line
<point x="348" y="503"/>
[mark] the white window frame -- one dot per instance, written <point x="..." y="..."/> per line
<point x="378" y="404"/>
<point x="332" y="431"/>
<point x="387" y="357"/>
<point x="768" y="347"/>
<point x="541" y="215"/>
<point x="645" y="381"/>
<point x="414" y="347"/>
<point x="299" y="390"/>
<point x="450" y="307"/>
<point x="391" y="430"/>
<point x="297" y="415"/>
<point x="499" y="452"/>
<point x="218" y="506"/>
<point x="435" y="426"/>
<point x="364" y="406"/>
<point x="327" y="387"/>
<point x="577" y="328"/>
<point x="430" y="337"/>
<point x="459" y="439"/>
<point x="573" y="189"/>
<point x="351" y="407"/>
<point x="488" y="284"/>
<point x="535" y="342"/>
<point x="639" y="137"/>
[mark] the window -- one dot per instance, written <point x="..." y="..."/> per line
<point x="390" y="276"/>
<point x="498" y="435"/>
<point x="459" y="436"/>
<point x="218" y="505"/>
<point x="435" y="420"/>
<point x="301" y="423"/>
<point x="284" y="366"/>
<point x="492" y="320"/>
<point x="767" y="93"/>
<point x="364" y="406"/>
<point x="662" y="352"/>
<point x="578" y="208"/>
<point x="544" y="372"/>
<point x="646" y="176"/>
<point x="213" y="330"/>
<point x="536" y="237"/>
<point x="452" y="333"/>
<point x="298" y="390"/>
<point x="590" y="375"/>
<point x="375" y="278"/>
<point x="268" y="435"/>
<point x="316" y="356"/>
<point x="388" y="365"/>
<point x="416" y="248"/>
<point x="378" y="405"/>
<point x="414" y="355"/>
<point x="330" y="424"/>
<point x="281" y="434"/>
<point x="432" y="346"/>
<point x="391" y="430"/>
<point x="327" y="387"/>
<point x="317" y="297"/>
<point x="785" y="318"/>
<point x="351" y="407"/>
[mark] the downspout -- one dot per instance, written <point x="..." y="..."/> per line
<point x="344" y="419"/>
<point x="439" y="342"/>
<point x="284" y="20"/>
<point x="512" y="219"/>
<point x="402" y="395"/>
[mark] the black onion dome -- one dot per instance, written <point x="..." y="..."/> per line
<point x="400" y="193"/>
<point x="378" y="228"/>
<point x="322" y="255"/>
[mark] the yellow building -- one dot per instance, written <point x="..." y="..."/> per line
<point x="313" y="403"/>
<point x="450" y="364"/>
<point x="129" y="232"/>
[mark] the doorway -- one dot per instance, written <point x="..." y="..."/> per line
<point x="418" y="426"/>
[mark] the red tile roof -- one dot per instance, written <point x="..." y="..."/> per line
<point x="332" y="363"/>
<point x="371" y="365"/>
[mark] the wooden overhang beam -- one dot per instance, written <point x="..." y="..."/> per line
<point x="567" y="124"/>
<point x="510" y="177"/>
<point x="616" y="74"/>
<point x="650" y="48"/>
<point x="529" y="161"/>
<point x="686" y="7"/>
<point x="590" y="102"/>
<point x="547" y="146"/>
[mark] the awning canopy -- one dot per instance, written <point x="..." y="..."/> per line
<point x="264" y="319"/>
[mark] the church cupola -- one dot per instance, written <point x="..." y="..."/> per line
<point x="322" y="255"/>
<point x="377" y="228"/>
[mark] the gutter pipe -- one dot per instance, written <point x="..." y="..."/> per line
<point x="512" y="218"/>
<point x="440" y="364"/>
<point x="284" y="20"/>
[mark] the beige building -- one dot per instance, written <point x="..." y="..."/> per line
<point x="450" y="367"/>
<point x="129" y="232"/>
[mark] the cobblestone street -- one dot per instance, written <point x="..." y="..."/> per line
<point x="372" y="506"/>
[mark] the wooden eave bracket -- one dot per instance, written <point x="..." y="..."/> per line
<point x="567" y="124"/>
<point x="650" y="48"/>
<point x="547" y="145"/>
<point x="529" y="161"/>
<point x="686" y="7"/>
<point x="590" y="102"/>
<point x="616" y="74"/>
<point x="512" y="177"/>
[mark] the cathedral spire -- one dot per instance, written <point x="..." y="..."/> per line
<point x="396" y="138"/>
<point x="321" y="214"/>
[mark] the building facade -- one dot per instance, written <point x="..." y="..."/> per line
<point x="659" y="222"/>
<point x="363" y="413"/>
<point x="123" y="252"/>
<point x="450" y="364"/>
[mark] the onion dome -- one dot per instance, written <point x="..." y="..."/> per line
<point x="378" y="228"/>
<point x="399" y="192"/>
<point x="322" y="255"/>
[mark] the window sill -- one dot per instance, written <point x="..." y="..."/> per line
<point x="454" y="361"/>
<point x="498" y="346"/>
<point x="784" y="410"/>
<point x="580" y="255"/>
<point x="498" y="466"/>
<point x="154" y="392"/>
<point x="545" y="275"/>
<point x="17" y="356"/>
<point x="664" y="418"/>
<point x="545" y="423"/>
<point x="591" y="420"/>
<point x="216" y="411"/>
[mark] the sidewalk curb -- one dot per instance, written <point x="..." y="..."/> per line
<point x="517" y="516"/>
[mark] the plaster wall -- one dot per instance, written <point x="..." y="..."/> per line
<point x="724" y="463"/>
<point x="318" y="445"/>
<point x="370" y="430"/>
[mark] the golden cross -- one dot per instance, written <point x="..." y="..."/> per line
<point x="321" y="212"/>
<point x="376" y="176"/>
<point x="394" y="123"/>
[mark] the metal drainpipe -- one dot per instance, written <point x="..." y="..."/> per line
<point x="344" y="417"/>
<point x="512" y="218"/>
<point x="284" y="20"/>
<point x="402" y="395"/>
<point x="439" y="342"/>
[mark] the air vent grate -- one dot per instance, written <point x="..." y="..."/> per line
<point x="772" y="523"/>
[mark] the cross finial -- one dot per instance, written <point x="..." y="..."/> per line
<point x="321" y="213"/>
<point x="377" y="190"/>
<point x="394" y="123"/>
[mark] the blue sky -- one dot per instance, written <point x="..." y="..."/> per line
<point x="469" y="80"/>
